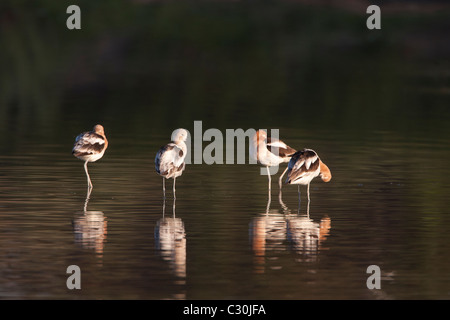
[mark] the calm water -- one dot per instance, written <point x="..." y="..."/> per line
<point x="374" y="105"/>
<point x="220" y="239"/>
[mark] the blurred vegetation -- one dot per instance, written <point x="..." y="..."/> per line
<point x="146" y="66"/>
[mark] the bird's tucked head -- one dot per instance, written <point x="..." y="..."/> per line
<point x="325" y="173"/>
<point x="179" y="135"/>
<point x="99" y="129"/>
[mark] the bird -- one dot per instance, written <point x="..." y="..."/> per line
<point x="90" y="146"/>
<point x="271" y="152"/>
<point x="304" y="166"/>
<point x="169" y="160"/>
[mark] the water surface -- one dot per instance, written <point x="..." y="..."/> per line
<point x="224" y="238"/>
<point x="373" y="105"/>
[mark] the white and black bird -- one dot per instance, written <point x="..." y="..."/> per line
<point x="271" y="152"/>
<point x="90" y="147"/>
<point x="169" y="160"/>
<point x="304" y="166"/>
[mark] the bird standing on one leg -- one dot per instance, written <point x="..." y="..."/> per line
<point x="169" y="160"/>
<point x="90" y="147"/>
<point x="271" y="152"/>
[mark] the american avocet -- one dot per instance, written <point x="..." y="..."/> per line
<point x="89" y="147"/>
<point x="304" y="166"/>
<point x="169" y="160"/>
<point x="271" y="152"/>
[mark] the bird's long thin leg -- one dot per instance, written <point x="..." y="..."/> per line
<point x="308" y="192"/>
<point x="269" y="200"/>
<point x="280" y="182"/>
<point x="299" y="198"/>
<point x="270" y="179"/>
<point x="307" y="209"/>
<point x="88" y="195"/>
<point x="283" y="205"/>
<point x="174" y="195"/>
<point x="174" y="206"/>
<point x="87" y="175"/>
<point x="164" y="188"/>
<point x="164" y="207"/>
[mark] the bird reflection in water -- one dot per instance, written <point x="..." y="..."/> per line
<point x="275" y="231"/>
<point x="306" y="236"/>
<point x="90" y="229"/>
<point x="170" y="238"/>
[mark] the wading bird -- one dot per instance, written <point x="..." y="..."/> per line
<point x="90" y="147"/>
<point x="271" y="152"/>
<point x="304" y="166"/>
<point x="169" y="160"/>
